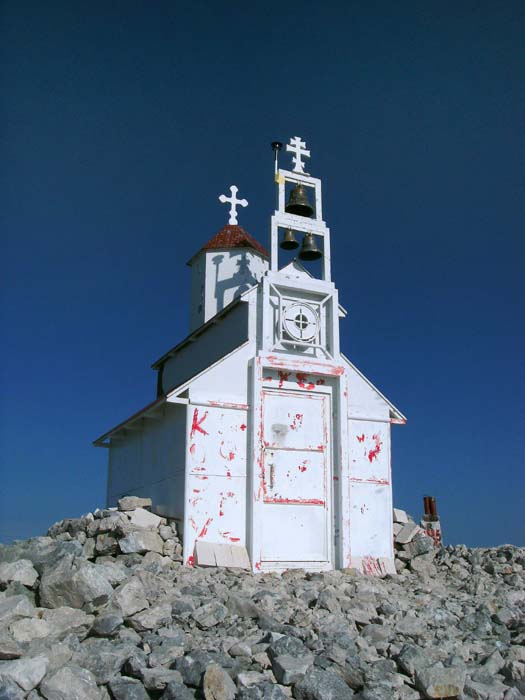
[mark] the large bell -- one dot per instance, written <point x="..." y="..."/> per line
<point x="298" y="202"/>
<point x="289" y="241"/>
<point x="309" y="249"/>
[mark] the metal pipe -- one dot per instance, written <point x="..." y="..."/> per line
<point x="426" y="503"/>
<point x="433" y="507"/>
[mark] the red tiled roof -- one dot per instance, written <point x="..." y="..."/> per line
<point x="234" y="237"/>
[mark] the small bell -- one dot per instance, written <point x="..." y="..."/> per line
<point x="298" y="202"/>
<point x="309" y="249"/>
<point x="289" y="241"/>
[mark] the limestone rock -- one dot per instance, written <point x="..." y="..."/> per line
<point x="439" y="682"/>
<point x="70" y="683"/>
<point x="76" y="584"/>
<point x="27" y="672"/>
<point x="322" y="685"/>
<point x="217" y="684"/>
<point x="132" y="502"/>
<point x="144" y="518"/>
<point x="140" y="542"/>
<point x="127" y="689"/>
<point x="21" y="570"/>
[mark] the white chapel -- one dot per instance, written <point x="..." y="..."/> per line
<point x="265" y="443"/>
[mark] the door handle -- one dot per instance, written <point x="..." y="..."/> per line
<point x="272" y="474"/>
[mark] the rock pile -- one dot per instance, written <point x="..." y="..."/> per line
<point x="102" y="608"/>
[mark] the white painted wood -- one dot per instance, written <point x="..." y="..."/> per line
<point x="267" y="440"/>
<point x="234" y="203"/>
<point x="219" y="276"/>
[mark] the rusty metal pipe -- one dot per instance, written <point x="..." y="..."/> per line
<point x="426" y="503"/>
<point x="433" y="507"/>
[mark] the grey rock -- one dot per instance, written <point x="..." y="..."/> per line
<point x="322" y="685"/>
<point x="127" y="689"/>
<point x="411" y="658"/>
<point x="141" y="541"/>
<point x="27" y="673"/>
<point x="77" y="584"/>
<point x="65" y="620"/>
<point x="132" y="502"/>
<point x="9" y="690"/>
<point x="376" y="633"/>
<point x="152" y="618"/>
<point x="103" y="657"/>
<point x="41" y="551"/>
<point x="286" y="645"/>
<point x="177" y="691"/>
<point x="192" y="667"/>
<point x="106" y="544"/>
<point x="130" y="597"/>
<point x="242" y="606"/>
<point x="210" y="615"/>
<point x="29" y="628"/>
<point x="407" y="533"/>
<point x="9" y="649"/>
<point x="490" y="690"/>
<point x="158" y="678"/>
<point x="14" y="608"/>
<point x="21" y="570"/>
<point x="438" y="682"/>
<point x="107" y="625"/>
<point x="290" y="669"/>
<point x="217" y="684"/>
<point x="70" y="683"/>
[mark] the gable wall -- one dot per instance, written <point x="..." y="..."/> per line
<point x="149" y="462"/>
<point x="215" y="342"/>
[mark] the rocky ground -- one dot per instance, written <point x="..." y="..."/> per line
<point x="103" y="608"/>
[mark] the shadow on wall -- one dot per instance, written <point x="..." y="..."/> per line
<point x="240" y="281"/>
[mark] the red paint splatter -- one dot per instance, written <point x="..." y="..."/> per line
<point x="231" y="455"/>
<point x="360" y="438"/>
<point x="193" y="524"/>
<point x="196" y="425"/>
<point x="301" y="501"/>
<point x="372" y="567"/>
<point x="204" y="530"/>
<point x="190" y="561"/>
<point x="302" y="381"/>
<point x="243" y="426"/>
<point x="192" y="448"/>
<point x="297" y="421"/>
<point x="302" y="467"/>
<point x="320" y="447"/>
<point x="283" y="377"/>
<point x="258" y="565"/>
<point x="196" y="490"/>
<point x="336" y="478"/>
<point x="267" y="379"/>
<point x="228" y="474"/>
<point x="320" y="382"/>
<point x="372" y="454"/>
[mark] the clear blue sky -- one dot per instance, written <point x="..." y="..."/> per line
<point x="124" y="121"/>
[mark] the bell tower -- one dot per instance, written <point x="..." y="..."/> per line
<point x="300" y="311"/>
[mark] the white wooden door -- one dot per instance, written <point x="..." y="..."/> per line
<point x="295" y="477"/>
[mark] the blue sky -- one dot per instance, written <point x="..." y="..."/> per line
<point x="124" y="121"/>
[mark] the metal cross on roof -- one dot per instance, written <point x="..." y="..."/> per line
<point x="234" y="202"/>
<point x="298" y="147"/>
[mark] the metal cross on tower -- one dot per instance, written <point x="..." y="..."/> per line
<point x="298" y="147"/>
<point x="234" y="202"/>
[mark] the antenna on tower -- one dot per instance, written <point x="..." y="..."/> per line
<point x="276" y="147"/>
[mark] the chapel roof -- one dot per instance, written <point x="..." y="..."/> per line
<point x="232" y="236"/>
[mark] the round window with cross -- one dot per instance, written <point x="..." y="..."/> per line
<point x="301" y="322"/>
